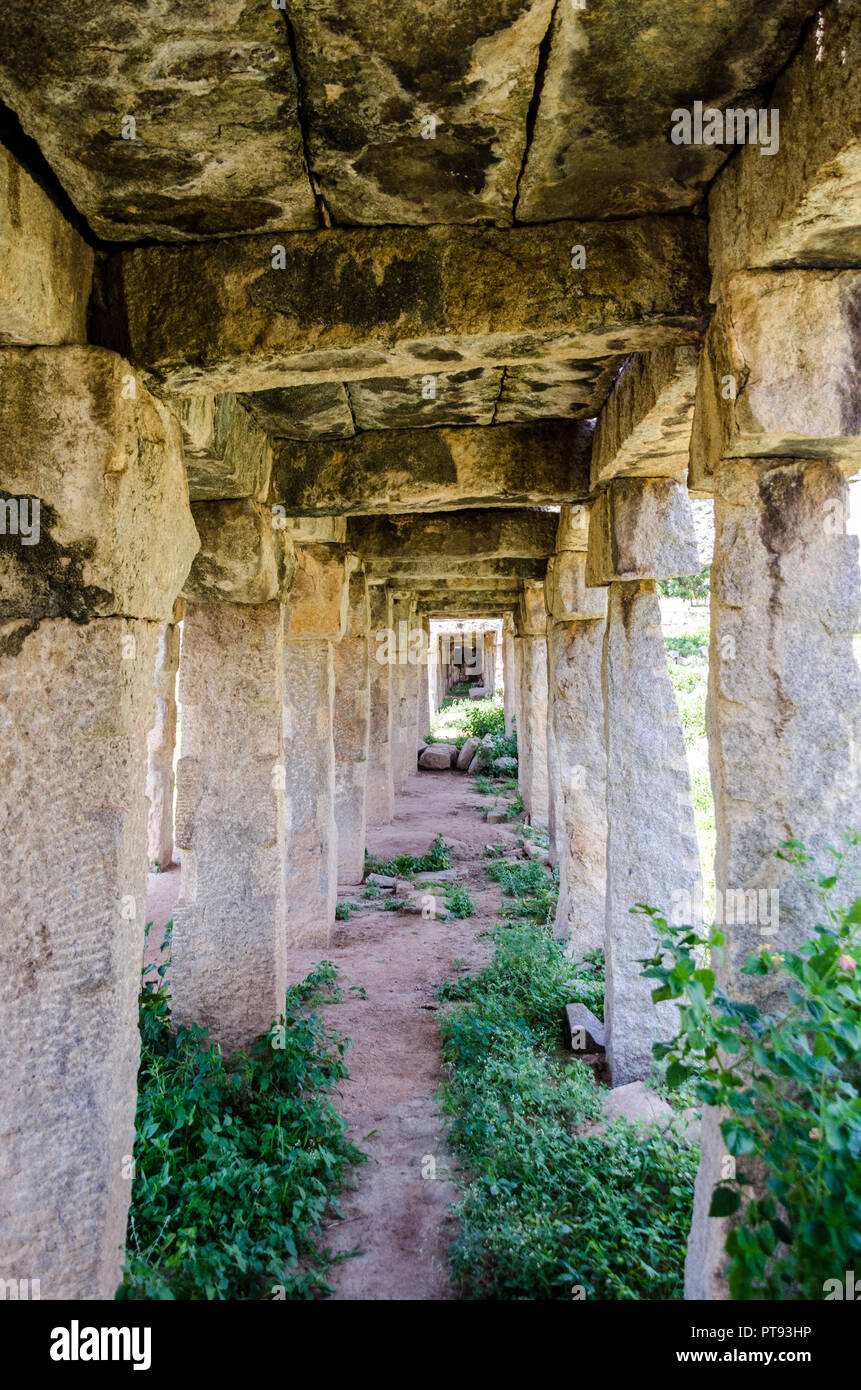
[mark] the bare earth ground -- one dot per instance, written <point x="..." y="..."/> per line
<point x="396" y="1217"/>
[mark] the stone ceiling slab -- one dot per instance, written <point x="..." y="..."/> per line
<point x="217" y="145"/>
<point x="572" y="390"/>
<point x="351" y="304"/>
<point x="377" y="81"/>
<point x="614" y="75"/>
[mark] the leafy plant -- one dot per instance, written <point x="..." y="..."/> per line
<point x="787" y="1083"/>
<point x="437" y="857"/>
<point x="344" y="911"/>
<point x="459" y="903"/>
<point x="238" y="1160"/>
<point x="547" y="1209"/>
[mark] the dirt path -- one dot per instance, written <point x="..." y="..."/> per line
<point x="398" y="1218"/>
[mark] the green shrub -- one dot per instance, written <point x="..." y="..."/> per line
<point x="437" y="857"/>
<point x="238" y="1160"/>
<point x="689" y="644"/>
<point x="459" y="903"/>
<point x="789" y="1084"/>
<point x="546" y="1209"/>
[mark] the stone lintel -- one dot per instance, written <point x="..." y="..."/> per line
<point x="348" y="303"/>
<point x="469" y="535"/>
<point x="384" y="471"/>
<point x="644" y="428"/>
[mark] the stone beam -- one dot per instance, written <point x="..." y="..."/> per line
<point x="226" y="453"/>
<point x="802" y="205"/>
<point x="440" y="567"/>
<point x="468" y="535"/>
<point x="641" y="528"/>
<point x="382" y="471"/>
<point x="469" y="605"/>
<point x="644" y="428"/>
<point x="253" y="313"/>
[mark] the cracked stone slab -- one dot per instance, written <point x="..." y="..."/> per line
<point x="614" y="75"/>
<point x="357" y="303"/>
<point x="439" y="567"/>
<point x="572" y="390"/>
<point x="377" y="83"/>
<point x="444" y="398"/>
<point x="434" y="470"/>
<point x="217" y="145"/>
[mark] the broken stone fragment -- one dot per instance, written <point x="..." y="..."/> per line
<point x="467" y="753"/>
<point x="438" y="757"/>
<point x="505" y="765"/>
<point x="381" y="880"/>
<point x="583" y="1032"/>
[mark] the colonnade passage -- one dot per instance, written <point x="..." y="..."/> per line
<point x="297" y="376"/>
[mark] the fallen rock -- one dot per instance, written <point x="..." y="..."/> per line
<point x="582" y="1030"/>
<point x="381" y="880"/>
<point x="505" y="764"/>
<point x="437" y="876"/>
<point x="467" y="753"/>
<point x="477" y="692"/>
<point x="427" y="905"/>
<point x="635" y="1102"/>
<point x="437" y="757"/>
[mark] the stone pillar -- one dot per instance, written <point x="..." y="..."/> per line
<point x="403" y="721"/>
<point x="509" y="676"/>
<point x="531" y="643"/>
<point x="414" y="667"/>
<point x="161" y="746"/>
<point x="489" y="662"/>
<point x="228" y="970"/>
<point x="424" y="681"/>
<point x="317" y="617"/>
<point x="434" y="698"/>
<point x="784" y="720"/>
<point x="102" y="544"/>
<point x="639" y="531"/>
<point x="351" y="733"/>
<point x="576" y="750"/>
<point x="380" y="805"/>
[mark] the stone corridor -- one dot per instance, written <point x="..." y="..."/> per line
<point x="319" y="328"/>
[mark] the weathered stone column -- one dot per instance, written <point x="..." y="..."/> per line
<point x="404" y="686"/>
<point x="414" y="667"/>
<point x="381" y="790"/>
<point x="424" y="681"/>
<point x="489" y="662"/>
<point x="509" y="676"/>
<point x="639" y="531"/>
<point x="102" y="542"/>
<point x="316" y="618"/>
<point x="576" y="620"/>
<point x="531" y="645"/>
<point x="229" y="963"/>
<point x="161" y="746"/>
<point x="784" y="720"/>
<point x="351" y="732"/>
